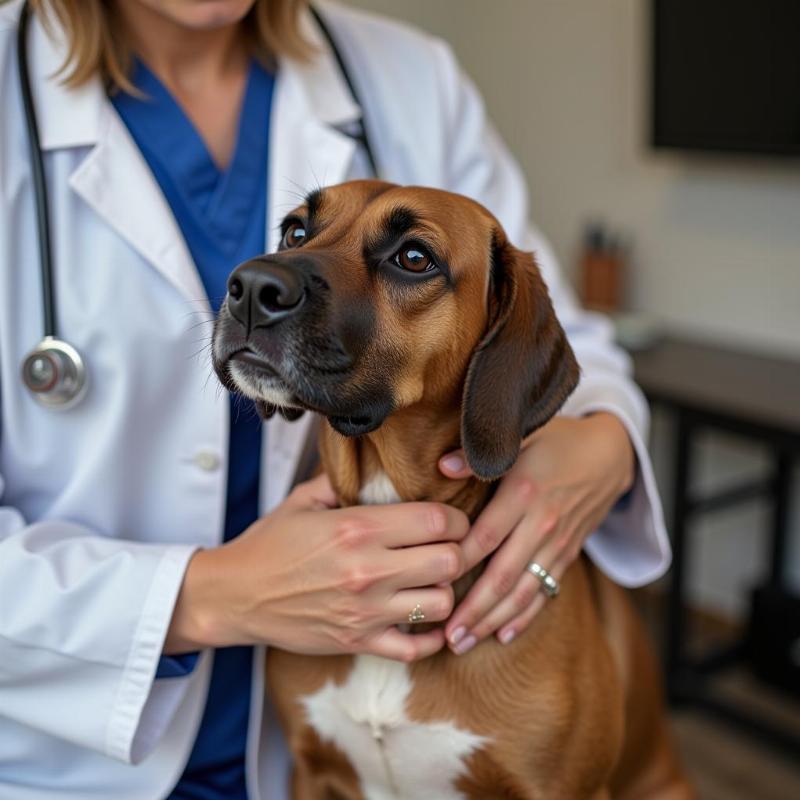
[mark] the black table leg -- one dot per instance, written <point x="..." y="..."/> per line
<point x="780" y="516"/>
<point x="676" y="604"/>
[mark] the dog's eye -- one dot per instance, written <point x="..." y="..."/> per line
<point x="295" y="235"/>
<point x="414" y="258"/>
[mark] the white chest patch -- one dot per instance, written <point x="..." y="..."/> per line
<point x="378" y="490"/>
<point x="395" y="758"/>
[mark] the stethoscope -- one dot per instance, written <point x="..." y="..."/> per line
<point x="54" y="372"/>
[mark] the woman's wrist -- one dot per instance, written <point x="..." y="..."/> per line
<point x="196" y="620"/>
<point x="611" y="427"/>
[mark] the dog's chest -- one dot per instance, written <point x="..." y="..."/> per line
<point x="395" y="757"/>
<point x="378" y="490"/>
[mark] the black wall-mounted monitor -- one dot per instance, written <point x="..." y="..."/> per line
<point x="726" y="75"/>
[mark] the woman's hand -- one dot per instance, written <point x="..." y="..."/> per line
<point x="311" y="578"/>
<point x="567" y="478"/>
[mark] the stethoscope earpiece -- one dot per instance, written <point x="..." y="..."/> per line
<point x="55" y="374"/>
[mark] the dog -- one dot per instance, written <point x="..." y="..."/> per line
<point x="406" y="319"/>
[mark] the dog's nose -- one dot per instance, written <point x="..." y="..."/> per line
<point x="262" y="292"/>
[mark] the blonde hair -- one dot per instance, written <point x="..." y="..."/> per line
<point x="96" y="45"/>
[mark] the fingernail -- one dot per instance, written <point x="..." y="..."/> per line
<point x="453" y="463"/>
<point x="465" y="645"/>
<point x="506" y="637"/>
<point x="457" y="635"/>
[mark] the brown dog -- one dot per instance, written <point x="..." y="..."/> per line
<point x="405" y="318"/>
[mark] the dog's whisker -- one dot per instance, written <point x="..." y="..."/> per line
<point x="205" y="350"/>
<point x="208" y="313"/>
<point x="199" y="324"/>
<point x="299" y="192"/>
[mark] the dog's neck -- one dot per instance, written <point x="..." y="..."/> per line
<point x="399" y="461"/>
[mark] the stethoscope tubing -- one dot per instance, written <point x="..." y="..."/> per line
<point x="363" y="137"/>
<point x="39" y="183"/>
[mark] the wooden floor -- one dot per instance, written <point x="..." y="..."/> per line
<point x="724" y="765"/>
<point x="722" y="762"/>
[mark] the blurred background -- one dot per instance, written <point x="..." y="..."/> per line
<point x="661" y="143"/>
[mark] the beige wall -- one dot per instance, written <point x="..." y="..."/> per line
<point x="717" y="240"/>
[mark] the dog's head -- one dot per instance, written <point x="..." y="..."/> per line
<point x="381" y="297"/>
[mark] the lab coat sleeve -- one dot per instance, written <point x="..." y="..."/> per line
<point x="631" y="546"/>
<point x="82" y="624"/>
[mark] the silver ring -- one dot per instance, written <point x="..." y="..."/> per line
<point x="416" y="614"/>
<point x="549" y="583"/>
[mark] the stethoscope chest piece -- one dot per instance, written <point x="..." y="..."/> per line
<point x="55" y="374"/>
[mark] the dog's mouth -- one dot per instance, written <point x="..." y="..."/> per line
<point x="253" y="359"/>
<point x="356" y="425"/>
<point x="252" y="374"/>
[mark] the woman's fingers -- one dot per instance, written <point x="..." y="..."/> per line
<point x="498" y="580"/>
<point x="401" y="524"/>
<point x="525" y="591"/>
<point x="511" y="617"/>
<point x="454" y="465"/>
<point x="426" y="565"/>
<point x="513" y="499"/>
<point x="434" y="605"/>
<point x="407" y="646"/>
<point x="314" y="495"/>
<point x="510" y="630"/>
<point x="516" y="626"/>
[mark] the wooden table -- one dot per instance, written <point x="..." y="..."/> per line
<point x="709" y="387"/>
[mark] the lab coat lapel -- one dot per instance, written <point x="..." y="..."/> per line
<point x="113" y="178"/>
<point x="116" y="182"/>
<point x="307" y="150"/>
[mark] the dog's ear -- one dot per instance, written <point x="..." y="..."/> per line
<point x="522" y="370"/>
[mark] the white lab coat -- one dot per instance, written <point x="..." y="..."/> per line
<point x="101" y="506"/>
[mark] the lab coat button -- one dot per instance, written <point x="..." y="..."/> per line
<point x="206" y="460"/>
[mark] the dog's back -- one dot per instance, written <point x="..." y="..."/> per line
<point x="647" y="766"/>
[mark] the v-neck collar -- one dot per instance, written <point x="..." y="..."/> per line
<point x="243" y="175"/>
<point x="162" y="128"/>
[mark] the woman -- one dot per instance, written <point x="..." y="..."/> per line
<point x="148" y="550"/>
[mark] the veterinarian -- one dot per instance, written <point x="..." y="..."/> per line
<point x="148" y="550"/>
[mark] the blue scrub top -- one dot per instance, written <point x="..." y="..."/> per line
<point x="222" y="216"/>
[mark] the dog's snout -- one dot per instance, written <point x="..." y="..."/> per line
<point x="262" y="292"/>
